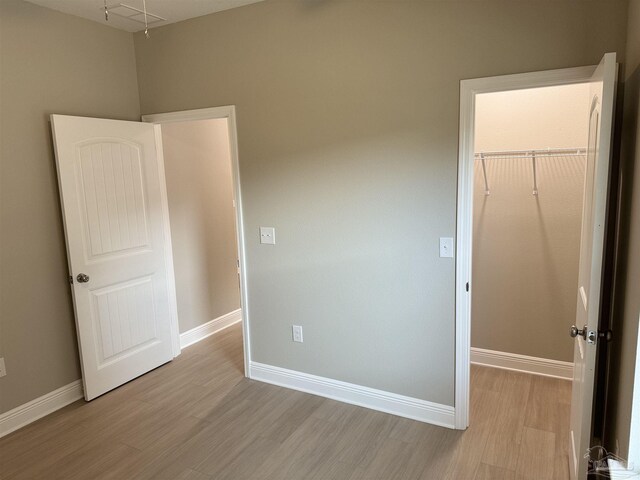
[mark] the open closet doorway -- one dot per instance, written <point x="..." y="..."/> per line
<point x="567" y="417"/>
<point x="529" y="170"/>
<point x="200" y="161"/>
<point x="530" y="150"/>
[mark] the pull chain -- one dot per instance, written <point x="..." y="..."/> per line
<point x="106" y="11"/>
<point x="146" y="25"/>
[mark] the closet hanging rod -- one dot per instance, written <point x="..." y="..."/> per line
<point x="558" y="152"/>
<point x="528" y="154"/>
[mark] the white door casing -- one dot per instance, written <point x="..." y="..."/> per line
<point x="228" y="113"/>
<point x="114" y="208"/>
<point x="594" y="217"/>
<point x="603" y="81"/>
<point x="469" y="89"/>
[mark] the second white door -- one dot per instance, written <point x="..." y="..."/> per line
<point x="594" y="218"/>
<point x="114" y="207"/>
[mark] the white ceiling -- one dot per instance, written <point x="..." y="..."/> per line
<point x="172" y="10"/>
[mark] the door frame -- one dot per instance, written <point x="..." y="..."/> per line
<point x="227" y="112"/>
<point x="464" y="210"/>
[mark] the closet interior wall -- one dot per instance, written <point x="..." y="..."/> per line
<point x="525" y="244"/>
<point x="197" y="162"/>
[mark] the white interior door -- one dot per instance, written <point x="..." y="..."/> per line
<point x="585" y="331"/>
<point x="113" y="202"/>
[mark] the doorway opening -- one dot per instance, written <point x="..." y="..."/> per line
<point x="203" y="191"/>
<point x="528" y="189"/>
<point x="596" y="224"/>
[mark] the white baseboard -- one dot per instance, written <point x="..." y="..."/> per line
<point x="38" y="408"/>
<point x="421" y="410"/>
<point x="522" y="363"/>
<point x="206" y="329"/>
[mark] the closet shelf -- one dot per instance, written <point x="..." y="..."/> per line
<point x="564" y="152"/>
<point x="527" y="154"/>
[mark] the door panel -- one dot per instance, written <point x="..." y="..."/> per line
<point x="589" y="293"/>
<point x="113" y="204"/>
<point x="112" y="198"/>
<point x="124" y="316"/>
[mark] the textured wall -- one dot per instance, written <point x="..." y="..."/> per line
<point x="203" y="227"/>
<point x="50" y="63"/>
<point x="348" y="133"/>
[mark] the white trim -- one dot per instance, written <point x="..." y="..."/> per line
<point x="416" y="409"/>
<point x="522" y="363"/>
<point x="168" y="247"/>
<point x="574" y="456"/>
<point x="464" y="229"/>
<point x="229" y="113"/>
<point x="190" y="115"/>
<point x="38" y="408"/>
<point x="207" y="329"/>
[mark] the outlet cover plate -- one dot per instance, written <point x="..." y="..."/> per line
<point x="268" y="235"/>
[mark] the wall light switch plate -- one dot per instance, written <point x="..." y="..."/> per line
<point x="446" y="247"/>
<point x="297" y="333"/>
<point x="3" y="369"/>
<point x="268" y="235"/>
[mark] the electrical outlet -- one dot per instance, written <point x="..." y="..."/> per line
<point x="3" y="369"/>
<point x="268" y="235"/>
<point x="297" y="333"/>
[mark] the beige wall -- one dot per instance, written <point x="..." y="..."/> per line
<point x="347" y="115"/>
<point x="348" y="133"/>
<point x="525" y="256"/>
<point x="50" y="63"/>
<point x="526" y="248"/>
<point x="198" y="169"/>
<point x="534" y="118"/>
<point x="627" y="299"/>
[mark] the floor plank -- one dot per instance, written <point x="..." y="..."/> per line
<point x="536" y="457"/>
<point x="546" y="397"/>
<point x="490" y="472"/>
<point x="504" y="439"/>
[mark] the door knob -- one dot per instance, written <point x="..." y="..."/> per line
<point x="574" y="332"/>
<point x="82" y="278"/>
<point x="589" y="335"/>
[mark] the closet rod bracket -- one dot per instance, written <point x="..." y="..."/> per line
<point x="535" y="179"/>
<point x="484" y="172"/>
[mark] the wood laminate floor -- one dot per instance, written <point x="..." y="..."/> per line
<point x="198" y="418"/>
